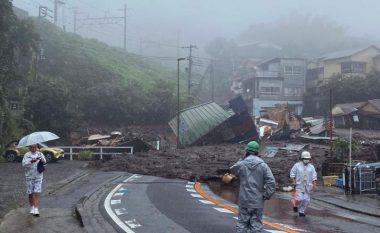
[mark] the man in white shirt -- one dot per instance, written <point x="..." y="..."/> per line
<point x="33" y="177"/>
<point x="304" y="178"/>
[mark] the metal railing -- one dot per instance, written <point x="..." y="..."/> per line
<point x="97" y="150"/>
<point x="364" y="180"/>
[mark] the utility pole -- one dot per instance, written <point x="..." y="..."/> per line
<point x="125" y="27"/>
<point x="75" y="19"/>
<point x="191" y="47"/>
<point x="56" y="6"/>
<point x="56" y="12"/>
<point x="212" y="79"/>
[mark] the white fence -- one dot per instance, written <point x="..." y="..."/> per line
<point x="97" y="150"/>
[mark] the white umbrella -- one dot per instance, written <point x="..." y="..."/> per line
<point x="36" y="137"/>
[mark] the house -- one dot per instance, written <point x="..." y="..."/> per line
<point x="351" y="62"/>
<point x="367" y="115"/>
<point x="277" y="81"/>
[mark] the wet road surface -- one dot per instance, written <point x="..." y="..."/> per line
<point x="321" y="217"/>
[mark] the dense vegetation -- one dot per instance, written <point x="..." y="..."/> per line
<point x="84" y="82"/>
<point x="66" y="82"/>
<point x="17" y="41"/>
<point x="345" y="89"/>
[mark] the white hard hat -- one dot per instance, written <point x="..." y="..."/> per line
<point x="305" y="155"/>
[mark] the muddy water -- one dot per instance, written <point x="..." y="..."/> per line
<point x="280" y="210"/>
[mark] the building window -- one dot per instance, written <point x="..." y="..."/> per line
<point x="297" y="69"/>
<point x="352" y="67"/>
<point x="292" y="91"/>
<point x="269" y="90"/>
<point x="288" y="70"/>
<point x="292" y="69"/>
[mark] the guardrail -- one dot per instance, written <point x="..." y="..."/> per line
<point x="97" y="150"/>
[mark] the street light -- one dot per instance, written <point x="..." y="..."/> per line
<point x="178" y="108"/>
<point x="355" y="119"/>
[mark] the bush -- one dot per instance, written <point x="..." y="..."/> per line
<point x="85" y="155"/>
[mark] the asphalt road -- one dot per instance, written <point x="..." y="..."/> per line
<point x="143" y="204"/>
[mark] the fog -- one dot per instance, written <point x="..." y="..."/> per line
<point x="155" y="27"/>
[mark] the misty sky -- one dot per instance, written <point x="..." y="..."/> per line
<point x="199" y="21"/>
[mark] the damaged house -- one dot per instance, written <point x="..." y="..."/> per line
<point x="209" y="123"/>
<point x="366" y="114"/>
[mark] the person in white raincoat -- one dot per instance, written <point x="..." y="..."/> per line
<point x="33" y="177"/>
<point x="304" y="178"/>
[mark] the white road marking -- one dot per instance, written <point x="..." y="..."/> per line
<point x="121" y="211"/>
<point x="196" y="195"/>
<point x="275" y="231"/>
<point x="236" y="218"/>
<point x="118" y="194"/>
<point x="207" y="202"/>
<point x="224" y="210"/>
<point x="115" y="202"/>
<point x="191" y="190"/>
<point x="133" y="223"/>
<point x="112" y="215"/>
<point x="191" y="183"/>
<point x="189" y="186"/>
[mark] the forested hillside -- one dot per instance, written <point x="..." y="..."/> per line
<point x="66" y="82"/>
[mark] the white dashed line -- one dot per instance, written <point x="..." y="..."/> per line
<point x="196" y="195"/>
<point x="118" y="194"/>
<point x="189" y="186"/>
<point x="115" y="202"/>
<point x="121" y="211"/>
<point x="223" y="210"/>
<point x="274" y="231"/>
<point x="191" y="183"/>
<point x="108" y="208"/>
<point x="207" y="202"/>
<point x="191" y="190"/>
<point x="133" y="223"/>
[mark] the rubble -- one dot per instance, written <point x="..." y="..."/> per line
<point x="208" y="162"/>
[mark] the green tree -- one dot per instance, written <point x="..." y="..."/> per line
<point x="17" y="39"/>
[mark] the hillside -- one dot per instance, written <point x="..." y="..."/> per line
<point x="83" y="82"/>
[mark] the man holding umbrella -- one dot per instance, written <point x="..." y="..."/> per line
<point x="30" y="162"/>
<point x="33" y="177"/>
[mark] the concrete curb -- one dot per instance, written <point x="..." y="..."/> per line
<point x="78" y="207"/>
<point x="346" y="207"/>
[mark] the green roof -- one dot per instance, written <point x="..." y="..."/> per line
<point x="197" y="121"/>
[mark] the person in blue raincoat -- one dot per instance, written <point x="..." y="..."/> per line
<point x="257" y="184"/>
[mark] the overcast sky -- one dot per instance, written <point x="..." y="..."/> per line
<point x="199" y="21"/>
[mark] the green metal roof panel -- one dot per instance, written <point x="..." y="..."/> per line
<point x="197" y="121"/>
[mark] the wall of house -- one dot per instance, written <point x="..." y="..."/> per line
<point x="367" y="57"/>
<point x="376" y="63"/>
<point x="333" y="67"/>
<point x="370" y="108"/>
<point x="294" y="72"/>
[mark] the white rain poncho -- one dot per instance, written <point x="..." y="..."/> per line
<point x="304" y="175"/>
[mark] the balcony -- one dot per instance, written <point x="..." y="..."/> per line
<point x="269" y="74"/>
